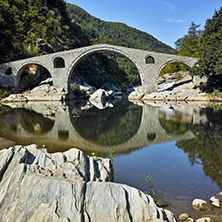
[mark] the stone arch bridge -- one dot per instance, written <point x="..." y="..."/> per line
<point x="62" y="64"/>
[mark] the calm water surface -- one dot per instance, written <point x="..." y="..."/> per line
<point x="178" y="145"/>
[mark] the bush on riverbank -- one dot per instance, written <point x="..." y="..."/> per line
<point x="216" y="94"/>
<point x="4" y="92"/>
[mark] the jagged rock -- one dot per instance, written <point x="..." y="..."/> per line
<point x="99" y="95"/>
<point x="48" y="81"/>
<point x="172" y="89"/>
<point x="199" y="204"/>
<point x="69" y="186"/>
<point x="136" y="94"/>
<point x="44" y="92"/>
<point x="101" y="104"/>
<point x="197" y="80"/>
<point x="215" y="201"/>
<point x="161" y="203"/>
<point x="110" y="86"/>
<point x="204" y="219"/>
<point x="81" y="88"/>
<point x="87" y="88"/>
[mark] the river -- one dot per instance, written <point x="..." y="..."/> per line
<point x="178" y="146"/>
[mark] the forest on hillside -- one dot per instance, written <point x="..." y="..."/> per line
<point x="23" y="23"/>
<point x="114" y="33"/>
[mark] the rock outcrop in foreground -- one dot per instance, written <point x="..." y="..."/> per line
<point x="69" y="186"/>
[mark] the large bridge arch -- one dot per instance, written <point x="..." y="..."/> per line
<point x="101" y="48"/>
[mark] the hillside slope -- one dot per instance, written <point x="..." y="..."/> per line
<point x="23" y="26"/>
<point x="99" y="31"/>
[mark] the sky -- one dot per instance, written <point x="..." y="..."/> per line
<point x="166" y="20"/>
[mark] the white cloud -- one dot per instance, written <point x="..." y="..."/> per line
<point x="174" y="21"/>
<point x="179" y="20"/>
<point x="168" y="20"/>
<point x="168" y="4"/>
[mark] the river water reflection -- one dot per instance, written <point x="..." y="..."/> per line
<point x="180" y="146"/>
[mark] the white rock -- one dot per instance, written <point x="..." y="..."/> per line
<point x="99" y="94"/>
<point x="220" y="193"/>
<point x="216" y="203"/>
<point x="199" y="204"/>
<point x="213" y="199"/>
<point x="38" y="186"/>
<point x="204" y="219"/>
<point x="183" y="217"/>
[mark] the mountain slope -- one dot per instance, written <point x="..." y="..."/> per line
<point x="22" y="24"/>
<point x="99" y="31"/>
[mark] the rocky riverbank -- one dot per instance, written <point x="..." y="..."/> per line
<point x="207" y="212"/>
<point x="171" y="87"/>
<point x="174" y="87"/>
<point x="69" y="186"/>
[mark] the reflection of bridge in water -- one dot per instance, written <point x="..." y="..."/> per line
<point x="63" y="135"/>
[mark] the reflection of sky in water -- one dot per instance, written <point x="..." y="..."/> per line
<point x="171" y="172"/>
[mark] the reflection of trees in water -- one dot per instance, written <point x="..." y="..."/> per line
<point x="207" y="145"/>
<point x="111" y="126"/>
<point x="5" y="110"/>
<point x="34" y="122"/>
<point x="174" y="127"/>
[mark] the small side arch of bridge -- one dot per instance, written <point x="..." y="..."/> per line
<point x="62" y="64"/>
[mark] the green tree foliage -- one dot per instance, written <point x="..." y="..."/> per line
<point x="174" y="67"/>
<point x="211" y="47"/>
<point x="189" y="44"/>
<point x="22" y="22"/>
<point x="98" y="68"/>
<point x="174" y="127"/>
<point x="185" y="46"/>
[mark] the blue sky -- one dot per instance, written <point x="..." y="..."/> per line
<point x="166" y="20"/>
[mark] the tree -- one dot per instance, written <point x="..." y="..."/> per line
<point x="22" y="22"/>
<point x="211" y="48"/>
<point x="189" y="44"/>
